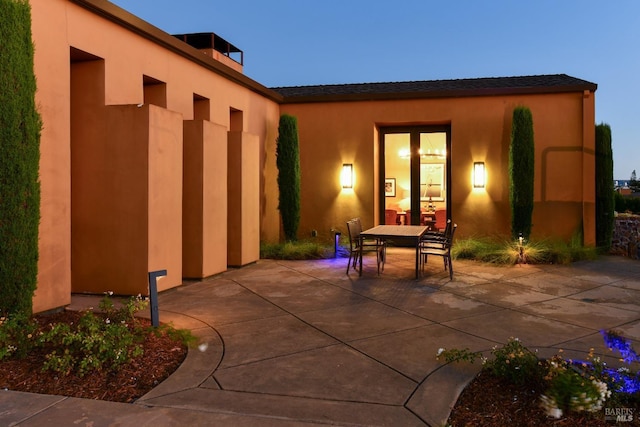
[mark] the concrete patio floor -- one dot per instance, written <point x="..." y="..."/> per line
<point x="301" y="343"/>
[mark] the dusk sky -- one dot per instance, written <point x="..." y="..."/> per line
<point x="305" y="42"/>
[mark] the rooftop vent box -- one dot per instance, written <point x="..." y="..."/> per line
<point x="215" y="47"/>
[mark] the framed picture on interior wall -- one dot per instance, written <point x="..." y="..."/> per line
<point x="432" y="182"/>
<point x="390" y="187"/>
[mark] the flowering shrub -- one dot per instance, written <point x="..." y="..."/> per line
<point x="572" y="386"/>
<point x="17" y="333"/>
<point x="110" y="339"/>
<point x="624" y="382"/>
<point x="127" y="312"/>
<point x="515" y="362"/>
<point x="614" y="340"/>
<point x="569" y="385"/>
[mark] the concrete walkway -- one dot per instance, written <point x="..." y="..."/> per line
<point x="300" y="343"/>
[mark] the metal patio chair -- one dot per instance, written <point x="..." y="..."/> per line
<point x="358" y="246"/>
<point x="439" y="245"/>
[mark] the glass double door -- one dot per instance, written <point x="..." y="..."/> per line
<point x="415" y="165"/>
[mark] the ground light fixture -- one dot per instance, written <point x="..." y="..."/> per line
<point x="336" y="242"/>
<point x="154" y="276"/>
<point x="347" y="175"/>
<point x="479" y="175"/>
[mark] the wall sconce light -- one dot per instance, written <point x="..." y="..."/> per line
<point x="347" y="175"/>
<point x="479" y="176"/>
<point x="153" y="295"/>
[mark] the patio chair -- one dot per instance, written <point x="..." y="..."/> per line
<point x="354" y="228"/>
<point x="439" y="246"/>
<point x="390" y="216"/>
<point x="441" y="219"/>
<point x="437" y="235"/>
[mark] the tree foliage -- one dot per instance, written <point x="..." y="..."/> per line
<point x="634" y="184"/>
<point x="627" y="204"/>
<point x="521" y="172"/>
<point x="604" y="187"/>
<point x="288" y="162"/>
<point x="19" y="160"/>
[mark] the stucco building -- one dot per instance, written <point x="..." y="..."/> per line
<point x="158" y="153"/>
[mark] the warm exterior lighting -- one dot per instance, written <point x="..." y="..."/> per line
<point x="347" y="175"/>
<point x="153" y="295"/>
<point x="479" y="176"/>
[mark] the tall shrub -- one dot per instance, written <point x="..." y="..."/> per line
<point x="288" y="162"/>
<point x="521" y="172"/>
<point x="19" y="158"/>
<point x="604" y="187"/>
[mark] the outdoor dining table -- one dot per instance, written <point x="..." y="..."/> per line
<point x="408" y="233"/>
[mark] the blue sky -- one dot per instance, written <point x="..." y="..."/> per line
<point x="305" y="42"/>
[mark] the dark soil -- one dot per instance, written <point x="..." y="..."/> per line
<point x="492" y="402"/>
<point x="162" y="356"/>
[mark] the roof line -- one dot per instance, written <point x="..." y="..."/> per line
<point x="488" y="86"/>
<point x="131" y="22"/>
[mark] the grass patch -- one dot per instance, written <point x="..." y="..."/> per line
<point x="507" y="252"/>
<point x="483" y="249"/>
<point x="299" y="250"/>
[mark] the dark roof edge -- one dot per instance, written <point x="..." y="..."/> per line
<point x="131" y="22"/>
<point x="424" y="94"/>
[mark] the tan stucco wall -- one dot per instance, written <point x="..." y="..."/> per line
<point x="204" y="199"/>
<point x="244" y="181"/>
<point x="52" y="71"/>
<point x="136" y="206"/>
<point x="126" y="199"/>
<point x="346" y="132"/>
<point x="60" y="25"/>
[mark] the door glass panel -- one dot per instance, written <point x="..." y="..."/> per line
<point x="415" y="165"/>
<point x="397" y="150"/>
<point x="433" y="154"/>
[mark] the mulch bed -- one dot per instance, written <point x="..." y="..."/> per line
<point x="493" y="402"/>
<point x="162" y="356"/>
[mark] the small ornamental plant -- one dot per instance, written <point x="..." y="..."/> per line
<point x="573" y="386"/>
<point x="513" y="361"/>
<point x="97" y="341"/>
<point x="17" y="335"/>
<point x="569" y="385"/>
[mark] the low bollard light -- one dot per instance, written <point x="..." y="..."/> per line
<point x="153" y="295"/>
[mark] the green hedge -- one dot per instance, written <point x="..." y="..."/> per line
<point x="604" y="187"/>
<point x="627" y="204"/>
<point x="288" y="162"/>
<point x="521" y="172"/>
<point x="19" y="159"/>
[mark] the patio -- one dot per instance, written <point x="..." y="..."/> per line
<point x="302" y="343"/>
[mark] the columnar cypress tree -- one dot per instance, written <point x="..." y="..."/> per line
<point x="288" y="162"/>
<point x="604" y="187"/>
<point x="19" y="160"/>
<point x="521" y="172"/>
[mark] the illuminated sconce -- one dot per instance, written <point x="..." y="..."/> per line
<point x="347" y="175"/>
<point x="479" y="176"/>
